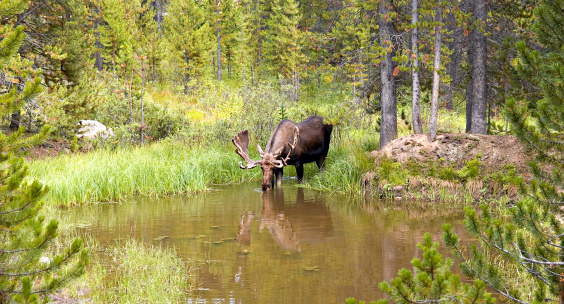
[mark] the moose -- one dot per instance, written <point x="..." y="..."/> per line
<point x="290" y="144"/>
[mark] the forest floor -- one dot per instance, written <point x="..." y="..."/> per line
<point x="49" y="148"/>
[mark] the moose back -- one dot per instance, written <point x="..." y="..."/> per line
<point x="290" y="144"/>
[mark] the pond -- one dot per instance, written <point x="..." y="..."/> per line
<point x="290" y="245"/>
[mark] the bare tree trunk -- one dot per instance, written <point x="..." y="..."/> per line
<point x="416" y="86"/>
<point x="479" y="83"/>
<point x="453" y="67"/>
<point x="218" y="48"/>
<point x="159" y="16"/>
<point x="436" y="77"/>
<point x="186" y="74"/>
<point x="142" y="61"/>
<point x="388" y="125"/>
<point x="99" y="64"/>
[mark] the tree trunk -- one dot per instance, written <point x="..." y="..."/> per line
<point x="388" y="125"/>
<point x="99" y="63"/>
<point x="15" y="120"/>
<point x="186" y="74"/>
<point x="479" y="84"/>
<point x="436" y="78"/>
<point x="159" y="16"/>
<point x="416" y="86"/>
<point x="218" y="48"/>
<point x="453" y="67"/>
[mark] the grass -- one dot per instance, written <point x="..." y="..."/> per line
<point x="131" y="272"/>
<point x="161" y="168"/>
<point x="345" y="167"/>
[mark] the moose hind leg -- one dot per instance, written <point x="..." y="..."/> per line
<point x="299" y="171"/>
<point x="321" y="163"/>
<point x="278" y="173"/>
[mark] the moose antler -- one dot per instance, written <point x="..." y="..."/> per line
<point x="241" y="141"/>
<point x="283" y="161"/>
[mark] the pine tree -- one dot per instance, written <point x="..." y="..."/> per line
<point x="534" y="237"/>
<point x="283" y="45"/>
<point x="189" y="34"/>
<point x="25" y="234"/>
<point x="432" y="282"/>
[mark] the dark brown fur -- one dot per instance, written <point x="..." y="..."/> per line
<point x="312" y="146"/>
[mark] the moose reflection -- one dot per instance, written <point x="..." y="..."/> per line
<point x="289" y="223"/>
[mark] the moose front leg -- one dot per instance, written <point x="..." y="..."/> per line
<point x="279" y="172"/>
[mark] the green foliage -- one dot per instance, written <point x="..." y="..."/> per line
<point x="26" y="275"/>
<point x="470" y="170"/>
<point x="507" y="176"/>
<point x="161" y="168"/>
<point x="188" y="34"/>
<point x="138" y="274"/>
<point x="432" y="281"/>
<point x="345" y="167"/>
<point x="532" y="238"/>
<point x="392" y="172"/>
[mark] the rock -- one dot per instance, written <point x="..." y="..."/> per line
<point x="93" y="129"/>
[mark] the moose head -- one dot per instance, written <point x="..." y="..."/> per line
<point x="272" y="161"/>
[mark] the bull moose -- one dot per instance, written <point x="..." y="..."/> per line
<point x="290" y="144"/>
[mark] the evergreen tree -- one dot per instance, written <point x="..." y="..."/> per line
<point x="283" y="45"/>
<point x="25" y="234"/>
<point x="243" y="51"/>
<point x="189" y="34"/>
<point x="432" y="282"/>
<point x="534" y="237"/>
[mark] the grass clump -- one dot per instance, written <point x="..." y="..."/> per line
<point x="345" y="167"/>
<point x="132" y="272"/>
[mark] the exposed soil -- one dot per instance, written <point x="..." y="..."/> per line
<point x="452" y="150"/>
<point x="50" y="148"/>
<point x="496" y="151"/>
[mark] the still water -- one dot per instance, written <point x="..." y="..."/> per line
<point x="291" y="245"/>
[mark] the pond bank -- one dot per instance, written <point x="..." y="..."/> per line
<point x="454" y="167"/>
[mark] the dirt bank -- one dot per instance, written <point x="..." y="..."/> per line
<point x="451" y="150"/>
<point x="456" y="149"/>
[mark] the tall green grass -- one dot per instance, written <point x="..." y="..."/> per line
<point x="161" y="168"/>
<point x="131" y="272"/>
<point x="344" y="168"/>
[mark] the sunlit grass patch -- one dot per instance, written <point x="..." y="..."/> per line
<point x="158" y="169"/>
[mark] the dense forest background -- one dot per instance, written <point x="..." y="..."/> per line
<point x="163" y="68"/>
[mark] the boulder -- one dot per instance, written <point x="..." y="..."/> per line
<point x="93" y="129"/>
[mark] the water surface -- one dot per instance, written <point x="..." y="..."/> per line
<point x="285" y="246"/>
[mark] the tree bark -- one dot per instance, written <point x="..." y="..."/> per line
<point x="436" y="77"/>
<point x="416" y="86"/>
<point x="99" y="63"/>
<point x="453" y="67"/>
<point x="186" y="74"/>
<point x="218" y="48"/>
<point x="388" y="125"/>
<point x="479" y="84"/>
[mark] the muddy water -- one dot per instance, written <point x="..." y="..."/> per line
<point x="287" y="246"/>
